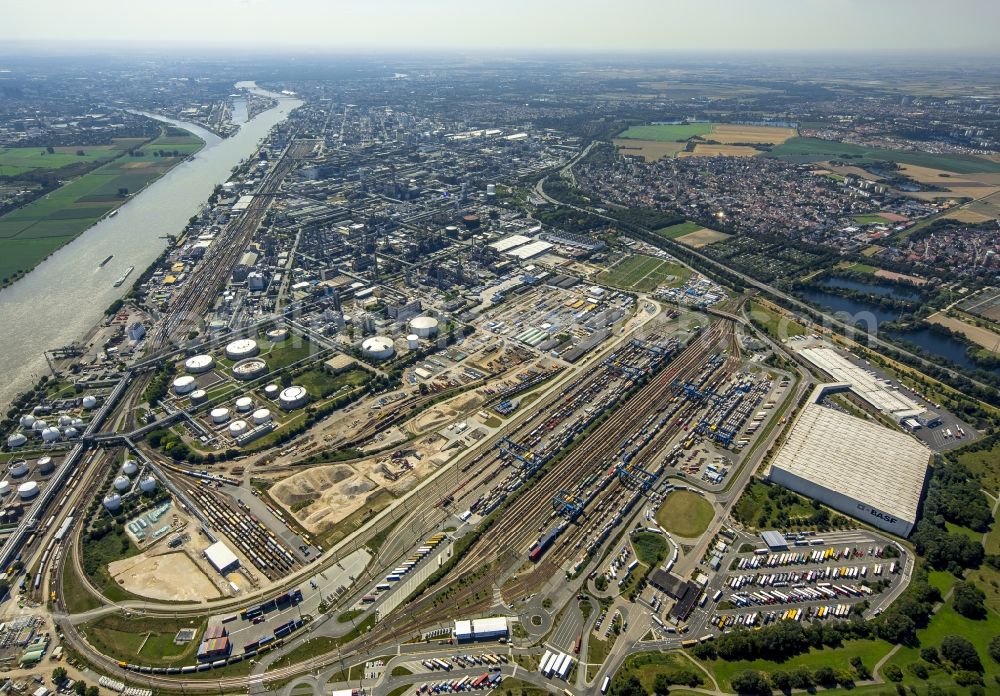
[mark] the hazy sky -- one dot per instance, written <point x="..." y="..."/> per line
<point x="524" y="25"/>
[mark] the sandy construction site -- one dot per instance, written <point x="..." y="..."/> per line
<point x="171" y="576"/>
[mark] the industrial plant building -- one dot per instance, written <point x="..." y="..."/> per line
<point x="222" y="558"/>
<point x="855" y="466"/>
<point x="481" y="629"/>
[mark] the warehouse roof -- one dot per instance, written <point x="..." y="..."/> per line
<point x="529" y="250"/>
<point x="856" y="458"/>
<point x="494" y="624"/>
<point x="515" y="240"/>
<point x="221" y="557"/>
<point x="870" y="388"/>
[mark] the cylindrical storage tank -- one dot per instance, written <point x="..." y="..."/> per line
<point x="378" y="348"/>
<point x="237" y="428"/>
<point x="130" y="468"/>
<point x="46" y="465"/>
<point x="89" y="402"/>
<point x="277" y="335"/>
<point x="27" y="491"/>
<point x="293" y="397"/>
<point x="16" y="440"/>
<point x="147" y="484"/>
<point x="27" y="420"/>
<point x="122" y="483"/>
<point x="18" y="468"/>
<point x="244" y="404"/>
<point x="184" y="384"/>
<point x="261" y="415"/>
<point x="198" y="396"/>
<point x="413" y="341"/>
<point x="113" y="502"/>
<point x="72" y="433"/>
<point x="199" y="363"/>
<point x="425" y="327"/>
<point x="251" y="368"/>
<point x="5" y="488"/>
<point x="65" y="421"/>
<point x="271" y="391"/>
<point x="220" y="415"/>
<point x="51" y="434"/>
<point x="242" y="348"/>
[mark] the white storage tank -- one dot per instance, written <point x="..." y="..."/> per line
<point x="45" y="465"/>
<point x="261" y="415"/>
<point x="27" y="420"/>
<point x="413" y="341"/>
<point x="16" y="440"/>
<point x="51" y="434"/>
<point x="271" y="391"/>
<point x="293" y="397"/>
<point x="39" y="425"/>
<point x="199" y="363"/>
<point x="5" y="488"/>
<point x="378" y="348"/>
<point x="72" y="433"/>
<point x="220" y="415"/>
<point x="130" y="468"/>
<point x="184" y="384"/>
<point x="425" y="327"/>
<point x="198" y="396"/>
<point x="147" y="484"/>
<point x="18" y="468"/>
<point x="237" y="428"/>
<point x="77" y="423"/>
<point x="113" y="502"/>
<point x="65" y="421"/>
<point x="244" y="404"/>
<point x="242" y="348"/>
<point x="249" y="369"/>
<point x="277" y="335"/>
<point x="27" y="491"/>
<point x="89" y="402"/>
<point x="122" y="483"/>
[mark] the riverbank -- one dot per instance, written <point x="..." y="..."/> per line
<point x="35" y="231"/>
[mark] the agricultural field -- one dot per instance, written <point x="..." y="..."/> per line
<point x="817" y="150"/>
<point x="649" y="150"/>
<point x="871" y="219"/>
<point x="30" y="233"/>
<point x="703" y="237"/>
<point x="971" y="185"/>
<point x="644" y="273"/>
<point x="679" y="230"/>
<point x="729" y="134"/>
<point x="656" y="142"/>
<point x="18" y="160"/>
<point x="704" y="150"/>
<point x="979" y="335"/>
<point x="667" y="133"/>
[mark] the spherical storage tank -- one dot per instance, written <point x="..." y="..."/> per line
<point x="198" y="396"/>
<point x="277" y="335"/>
<point x="378" y="348"/>
<point x="130" y="468"/>
<point x="16" y="440"/>
<point x="51" y="434"/>
<point x="413" y="341"/>
<point x="65" y="421"/>
<point x="27" y="420"/>
<point x="242" y="348"/>
<point x="5" y="488"/>
<point x="122" y="483"/>
<point x="89" y="402"/>
<point x="244" y="404"/>
<point x="237" y="428"/>
<point x="71" y="433"/>
<point x="46" y="465"/>
<point x="293" y="397"/>
<point x="27" y="491"/>
<point x="184" y="384"/>
<point x="220" y="415"/>
<point x="39" y="425"/>
<point x="261" y="415"/>
<point x="249" y="369"/>
<point x="147" y="484"/>
<point x="112" y="502"/>
<point x="425" y="327"/>
<point x="18" y="468"/>
<point x="199" y="363"/>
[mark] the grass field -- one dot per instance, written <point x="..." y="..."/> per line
<point x="871" y="220"/>
<point x="143" y="639"/>
<point x="986" y="464"/>
<point x="679" y="230"/>
<point x="816" y="150"/>
<point x="649" y="150"/>
<point x="675" y="133"/>
<point x="645" y="273"/>
<point x="30" y="233"/>
<point x="685" y="513"/>
<point x="776" y="325"/>
<point x="648" y="665"/>
<point x="649" y="548"/>
<point x="18" y="160"/>
<point x="703" y="238"/>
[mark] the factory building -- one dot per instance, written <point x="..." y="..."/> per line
<point x="857" y="467"/>
<point x="481" y="629"/>
<point x="222" y="558"/>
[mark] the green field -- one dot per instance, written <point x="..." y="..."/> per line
<point x="18" y="160"/>
<point x="646" y="666"/>
<point x="985" y="464"/>
<point x="645" y="273"/>
<point x="143" y="639"/>
<point x="871" y="219"/>
<point x="665" y="133"/>
<point x="685" y="513"/>
<point x="679" y="230"/>
<point x="774" y="324"/>
<point x="30" y="233"/>
<point x="816" y="150"/>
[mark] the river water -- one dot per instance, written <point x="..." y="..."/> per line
<point x="65" y="295"/>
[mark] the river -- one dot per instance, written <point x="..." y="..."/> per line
<point x="65" y="296"/>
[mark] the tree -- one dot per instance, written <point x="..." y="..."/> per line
<point x="59" y="675"/>
<point x="968" y="600"/>
<point x="930" y="654"/>
<point x="751" y="682"/>
<point x="122" y="192"/>
<point x="917" y="669"/>
<point x="782" y="681"/>
<point x="893" y="673"/>
<point x="961" y="653"/>
<point x="661" y="685"/>
<point x="628" y="687"/>
<point x="995" y="648"/>
<point x="80" y="687"/>
<point x="50" y="149"/>
<point x="92" y="690"/>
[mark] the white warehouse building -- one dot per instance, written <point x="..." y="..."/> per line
<point x="855" y="466"/>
